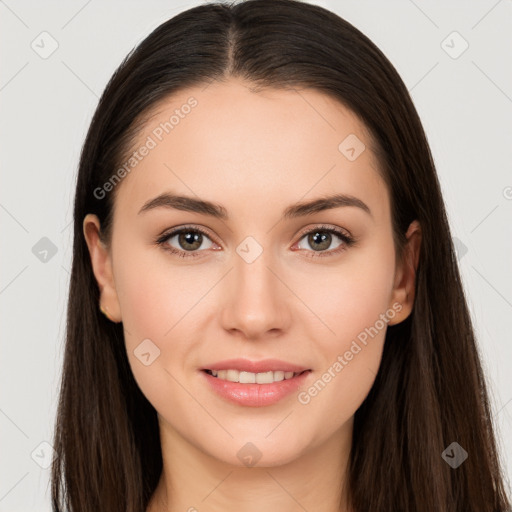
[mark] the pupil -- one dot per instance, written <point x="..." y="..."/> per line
<point x="324" y="240"/>
<point x="190" y="238"/>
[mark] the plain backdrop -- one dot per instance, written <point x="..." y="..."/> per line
<point x="454" y="58"/>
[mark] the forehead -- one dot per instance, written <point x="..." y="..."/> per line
<point x="226" y="143"/>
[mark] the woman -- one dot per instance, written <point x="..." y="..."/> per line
<point x="265" y="308"/>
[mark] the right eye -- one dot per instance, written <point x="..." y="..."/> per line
<point x="189" y="240"/>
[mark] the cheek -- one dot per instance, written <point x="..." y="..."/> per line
<point x="353" y="304"/>
<point x="160" y="306"/>
<point x="154" y="311"/>
<point x="350" y="298"/>
<point x="155" y="297"/>
<point x="350" y="362"/>
<point x="142" y="295"/>
<point x="141" y="298"/>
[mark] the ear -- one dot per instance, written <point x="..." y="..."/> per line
<point x="405" y="276"/>
<point x="102" y="267"/>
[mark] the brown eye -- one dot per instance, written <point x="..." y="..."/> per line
<point x="190" y="240"/>
<point x="320" y="240"/>
<point x="185" y="242"/>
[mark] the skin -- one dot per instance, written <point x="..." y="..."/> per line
<point x="255" y="154"/>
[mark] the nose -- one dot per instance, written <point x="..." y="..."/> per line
<point x="256" y="302"/>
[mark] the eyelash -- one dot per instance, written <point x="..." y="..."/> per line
<point x="348" y="241"/>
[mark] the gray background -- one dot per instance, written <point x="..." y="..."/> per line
<point x="464" y="100"/>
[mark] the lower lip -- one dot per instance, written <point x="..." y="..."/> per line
<point x="255" y="395"/>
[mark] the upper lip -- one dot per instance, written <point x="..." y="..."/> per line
<point x="246" y="365"/>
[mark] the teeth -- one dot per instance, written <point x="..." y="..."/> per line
<point x="253" y="378"/>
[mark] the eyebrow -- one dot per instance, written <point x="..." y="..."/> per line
<point x="300" y="209"/>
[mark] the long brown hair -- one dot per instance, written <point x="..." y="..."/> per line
<point x="430" y="389"/>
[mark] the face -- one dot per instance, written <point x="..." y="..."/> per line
<point x="316" y="288"/>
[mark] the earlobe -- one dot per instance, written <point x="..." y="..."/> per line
<point x="405" y="282"/>
<point x="102" y="267"/>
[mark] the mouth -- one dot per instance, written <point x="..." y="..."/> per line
<point x="243" y="377"/>
<point x="250" y="389"/>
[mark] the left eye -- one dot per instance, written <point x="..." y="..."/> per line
<point x="320" y="240"/>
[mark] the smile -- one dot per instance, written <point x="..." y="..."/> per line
<point x="253" y="378"/>
<point x="254" y="389"/>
